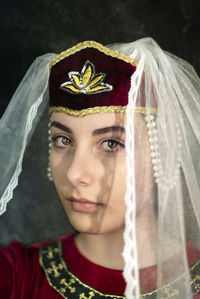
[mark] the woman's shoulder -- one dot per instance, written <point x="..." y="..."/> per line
<point x="16" y="249"/>
<point x="20" y="266"/>
<point x="16" y="252"/>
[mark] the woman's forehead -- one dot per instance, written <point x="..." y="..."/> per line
<point x="96" y="119"/>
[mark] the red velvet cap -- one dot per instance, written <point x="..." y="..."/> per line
<point x="90" y="76"/>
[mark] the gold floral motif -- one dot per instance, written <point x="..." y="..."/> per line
<point x="168" y="293"/>
<point x="68" y="285"/>
<point x="196" y="283"/>
<point x="92" y="44"/>
<point x="49" y="252"/>
<point x="98" y="109"/>
<point x="55" y="268"/>
<point x="86" y="82"/>
<point x="82" y="296"/>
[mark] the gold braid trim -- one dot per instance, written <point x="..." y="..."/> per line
<point x="102" y="109"/>
<point x="92" y="44"/>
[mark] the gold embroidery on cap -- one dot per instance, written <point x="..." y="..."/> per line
<point x="102" y="109"/>
<point x="87" y="81"/>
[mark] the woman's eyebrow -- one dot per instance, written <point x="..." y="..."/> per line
<point x="108" y="130"/>
<point x="94" y="133"/>
<point x="61" y="126"/>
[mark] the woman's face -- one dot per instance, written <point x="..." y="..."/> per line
<point x="88" y="163"/>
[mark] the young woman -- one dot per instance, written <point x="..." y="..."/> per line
<point x="124" y="159"/>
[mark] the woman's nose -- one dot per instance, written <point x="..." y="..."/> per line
<point x="80" y="171"/>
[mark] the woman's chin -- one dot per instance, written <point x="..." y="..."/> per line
<point x="84" y="224"/>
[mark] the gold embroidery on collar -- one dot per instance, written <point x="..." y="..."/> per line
<point x="67" y="284"/>
<point x="92" y="44"/>
<point x="61" y="279"/>
<point x="102" y="109"/>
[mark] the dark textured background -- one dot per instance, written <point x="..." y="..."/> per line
<point x="33" y="27"/>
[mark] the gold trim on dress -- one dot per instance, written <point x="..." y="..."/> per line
<point x="61" y="279"/>
<point x="70" y="286"/>
<point x="92" y="44"/>
<point x="98" y="109"/>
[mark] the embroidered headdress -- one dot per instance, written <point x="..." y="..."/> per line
<point x="90" y="78"/>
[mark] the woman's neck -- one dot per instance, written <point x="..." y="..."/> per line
<point x="106" y="249"/>
<point x="147" y="241"/>
<point x="102" y="249"/>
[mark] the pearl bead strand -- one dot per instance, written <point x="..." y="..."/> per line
<point x="160" y="178"/>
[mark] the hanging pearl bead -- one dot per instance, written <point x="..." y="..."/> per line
<point x="159" y="176"/>
<point x="49" y="174"/>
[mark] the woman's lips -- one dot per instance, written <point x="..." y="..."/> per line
<point x="83" y="205"/>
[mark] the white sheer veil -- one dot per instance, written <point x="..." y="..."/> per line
<point x="169" y="85"/>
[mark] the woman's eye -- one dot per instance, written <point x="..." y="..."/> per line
<point x="111" y="145"/>
<point x="61" y="141"/>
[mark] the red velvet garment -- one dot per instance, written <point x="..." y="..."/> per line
<point x="21" y="275"/>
